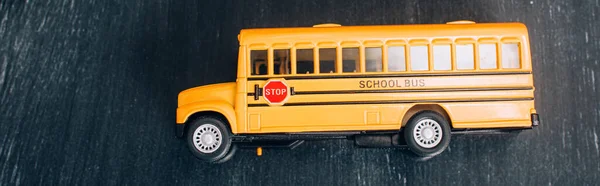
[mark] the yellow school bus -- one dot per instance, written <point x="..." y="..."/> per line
<point x="379" y="85"/>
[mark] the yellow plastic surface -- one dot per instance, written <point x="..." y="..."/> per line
<point x="339" y="101"/>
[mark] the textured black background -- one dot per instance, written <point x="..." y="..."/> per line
<point x="88" y="94"/>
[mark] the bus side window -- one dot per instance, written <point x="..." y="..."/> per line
<point x="327" y="60"/>
<point x="373" y="59"/>
<point x="419" y="58"/>
<point x="487" y="56"/>
<point x="396" y="59"/>
<point x="281" y="61"/>
<point x="510" y="55"/>
<point x="465" y="57"/>
<point x="304" y="61"/>
<point x="350" y="60"/>
<point x="441" y="57"/>
<point x="259" y="62"/>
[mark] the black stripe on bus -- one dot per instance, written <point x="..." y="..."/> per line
<point x="404" y="90"/>
<point x="343" y="76"/>
<point x="393" y="102"/>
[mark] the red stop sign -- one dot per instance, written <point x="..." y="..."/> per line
<point x="275" y="92"/>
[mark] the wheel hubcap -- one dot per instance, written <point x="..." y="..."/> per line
<point x="207" y="138"/>
<point x="427" y="133"/>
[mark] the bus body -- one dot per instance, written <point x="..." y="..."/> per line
<point x="367" y="82"/>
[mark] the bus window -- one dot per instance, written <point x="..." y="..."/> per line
<point x="304" y="61"/>
<point x="510" y="55"/>
<point x="396" y="59"/>
<point x="259" y="62"/>
<point x="281" y="61"/>
<point x="487" y="56"/>
<point x="327" y="60"/>
<point x="465" y="57"/>
<point x="373" y="59"/>
<point x="350" y="62"/>
<point x="441" y="57"/>
<point x="419" y="58"/>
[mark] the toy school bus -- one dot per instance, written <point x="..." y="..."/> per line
<point x="381" y="86"/>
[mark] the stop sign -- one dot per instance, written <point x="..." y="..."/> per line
<point x="275" y="92"/>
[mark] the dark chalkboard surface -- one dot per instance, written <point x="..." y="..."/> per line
<point x="88" y="92"/>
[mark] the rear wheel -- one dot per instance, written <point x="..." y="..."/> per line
<point x="209" y="139"/>
<point x="427" y="134"/>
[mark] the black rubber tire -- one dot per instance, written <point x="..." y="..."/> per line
<point x="218" y="154"/>
<point x="422" y="151"/>
<point x="229" y="155"/>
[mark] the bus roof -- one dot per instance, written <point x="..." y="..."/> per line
<point x="337" y="33"/>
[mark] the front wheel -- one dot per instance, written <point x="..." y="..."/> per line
<point x="427" y="134"/>
<point x="209" y="139"/>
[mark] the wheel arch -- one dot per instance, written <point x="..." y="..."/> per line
<point x="219" y="110"/>
<point x="207" y="113"/>
<point x="419" y="108"/>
